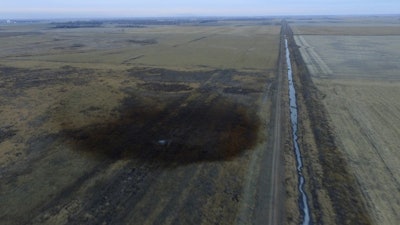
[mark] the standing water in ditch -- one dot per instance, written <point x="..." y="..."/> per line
<point x="303" y="201"/>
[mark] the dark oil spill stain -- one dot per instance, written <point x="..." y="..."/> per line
<point x="200" y="131"/>
<point x="6" y="132"/>
<point x="158" y="86"/>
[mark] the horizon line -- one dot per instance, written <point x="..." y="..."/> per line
<point x="200" y="16"/>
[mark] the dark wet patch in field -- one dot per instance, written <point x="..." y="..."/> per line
<point x="38" y="121"/>
<point x="154" y="86"/>
<point x="18" y="79"/>
<point x="239" y="90"/>
<point x="6" y="133"/>
<point x="143" y="41"/>
<point x="165" y="75"/>
<point x="171" y="136"/>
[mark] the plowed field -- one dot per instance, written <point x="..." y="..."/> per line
<point x="359" y="81"/>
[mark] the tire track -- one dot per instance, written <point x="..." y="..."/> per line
<point x="171" y="188"/>
<point x="314" y="60"/>
<point x="175" y="204"/>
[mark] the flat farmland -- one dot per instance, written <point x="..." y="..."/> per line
<point x="173" y="46"/>
<point x="338" y="56"/>
<point x="114" y="123"/>
<point x="358" y="76"/>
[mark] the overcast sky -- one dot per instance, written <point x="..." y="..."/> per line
<point x="133" y="8"/>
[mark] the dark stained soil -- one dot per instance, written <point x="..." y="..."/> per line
<point x="174" y="135"/>
<point x="6" y="132"/>
<point x="166" y="87"/>
<point x="109" y="147"/>
<point x="239" y="90"/>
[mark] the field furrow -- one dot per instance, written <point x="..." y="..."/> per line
<point x="361" y="98"/>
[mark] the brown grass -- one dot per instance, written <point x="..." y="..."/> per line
<point x="156" y="124"/>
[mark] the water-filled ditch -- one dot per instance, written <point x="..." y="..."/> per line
<point x="303" y="200"/>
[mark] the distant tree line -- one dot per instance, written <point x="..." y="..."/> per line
<point x="78" y="24"/>
<point x="142" y="23"/>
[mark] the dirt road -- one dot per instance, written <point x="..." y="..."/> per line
<point x="263" y="190"/>
<point x="275" y="203"/>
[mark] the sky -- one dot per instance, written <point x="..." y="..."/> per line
<point x="35" y="9"/>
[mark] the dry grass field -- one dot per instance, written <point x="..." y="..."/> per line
<point x="222" y="45"/>
<point x="345" y="25"/>
<point x="364" y="57"/>
<point x="358" y="77"/>
<point x="134" y="124"/>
